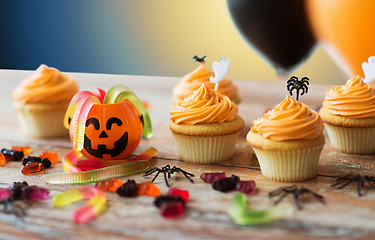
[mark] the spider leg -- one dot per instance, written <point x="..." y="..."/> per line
<point x="165" y="178"/>
<point x="359" y="184"/>
<point x="281" y="198"/>
<point x="368" y="180"/>
<point x="296" y="201"/>
<point x="275" y="192"/>
<point x="151" y="171"/>
<point x="319" y="197"/>
<point x="183" y="171"/>
<point x="186" y="174"/>
<point x="155" y="176"/>
<point x="340" y="184"/>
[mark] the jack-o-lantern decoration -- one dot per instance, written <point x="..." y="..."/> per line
<point x="109" y="128"/>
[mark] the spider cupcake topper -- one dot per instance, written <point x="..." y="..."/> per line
<point x="199" y="59"/>
<point x="298" y="85"/>
<point x="220" y="70"/>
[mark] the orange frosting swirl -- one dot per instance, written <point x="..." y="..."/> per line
<point x="290" y="120"/>
<point x="192" y="81"/>
<point x="355" y="99"/>
<point x="46" y="85"/>
<point x="204" y="106"/>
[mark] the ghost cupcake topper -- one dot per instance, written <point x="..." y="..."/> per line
<point x="294" y="84"/>
<point x="369" y="70"/>
<point x="220" y="70"/>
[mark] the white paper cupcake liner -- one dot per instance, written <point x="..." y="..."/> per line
<point x="352" y="140"/>
<point x="204" y="150"/>
<point x="289" y="166"/>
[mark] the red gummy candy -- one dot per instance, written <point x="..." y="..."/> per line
<point x="179" y="192"/>
<point x="52" y="157"/>
<point x="212" y="177"/>
<point x="172" y="209"/>
<point x="33" y="193"/>
<point x="109" y="185"/>
<point x="25" y="149"/>
<point x="5" y="193"/>
<point x="149" y="189"/>
<point x="32" y="168"/>
<point x="2" y="160"/>
<point x="247" y="187"/>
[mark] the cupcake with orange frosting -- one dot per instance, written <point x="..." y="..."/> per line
<point x="288" y="141"/>
<point x="205" y="126"/>
<point x="41" y="102"/>
<point x="192" y="81"/>
<point x="348" y="113"/>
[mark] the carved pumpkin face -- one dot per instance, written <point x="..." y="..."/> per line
<point x="112" y="131"/>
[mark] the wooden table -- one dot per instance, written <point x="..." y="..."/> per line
<point x="345" y="215"/>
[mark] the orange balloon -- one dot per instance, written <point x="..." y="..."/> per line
<point x="347" y="27"/>
<point x="112" y="131"/>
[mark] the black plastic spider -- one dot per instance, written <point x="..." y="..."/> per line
<point x="168" y="170"/>
<point x="295" y="84"/>
<point x="199" y="59"/>
<point x="284" y="191"/>
<point x="361" y="180"/>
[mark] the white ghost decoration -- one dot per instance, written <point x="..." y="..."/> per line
<point x="220" y="70"/>
<point x="369" y="70"/>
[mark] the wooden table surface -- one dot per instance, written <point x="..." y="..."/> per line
<point x="345" y="215"/>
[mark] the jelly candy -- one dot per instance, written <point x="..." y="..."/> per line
<point x="25" y="149"/>
<point x="226" y="184"/>
<point x="212" y="177"/>
<point x="179" y="192"/>
<point x="2" y="160"/>
<point x="33" y="193"/>
<point x="109" y="185"/>
<point x="17" y="190"/>
<point x="243" y="216"/>
<point x="128" y="189"/>
<point x="95" y="206"/>
<point x="52" y="157"/>
<point x="5" y="193"/>
<point x="12" y="155"/>
<point x="172" y="209"/>
<point x="160" y="201"/>
<point x="29" y="159"/>
<point x="32" y="168"/>
<point x="247" y="187"/>
<point x="149" y="189"/>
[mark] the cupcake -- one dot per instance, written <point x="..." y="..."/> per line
<point x="205" y="126"/>
<point x="348" y="113"/>
<point x="41" y="102"/>
<point x="288" y="141"/>
<point x="192" y="81"/>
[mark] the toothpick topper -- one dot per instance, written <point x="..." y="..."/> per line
<point x="220" y="70"/>
<point x="369" y="70"/>
<point x="295" y="84"/>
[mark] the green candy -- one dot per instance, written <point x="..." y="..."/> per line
<point x="243" y="216"/>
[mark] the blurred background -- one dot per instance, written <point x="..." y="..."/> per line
<point x="145" y="38"/>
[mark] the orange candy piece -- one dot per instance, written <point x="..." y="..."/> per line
<point x="25" y="149"/>
<point x="52" y="157"/>
<point x="109" y="185"/>
<point x="149" y="189"/>
<point x="32" y="168"/>
<point x="2" y="160"/>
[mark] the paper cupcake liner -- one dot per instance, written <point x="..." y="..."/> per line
<point x="289" y="166"/>
<point x="42" y="120"/>
<point x="352" y="140"/>
<point x="204" y="150"/>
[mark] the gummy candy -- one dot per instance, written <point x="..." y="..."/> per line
<point x="159" y="201"/>
<point x="2" y="160"/>
<point x="12" y="155"/>
<point x="29" y="159"/>
<point x="95" y="206"/>
<point x="178" y="192"/>
<point x="109" y="185"/>
<point x="172" y="210"/>
<point x="32" y="168"/>
<point x="52" y="157"/>
<point x="243" y="216"/>
<point x="247" y="187"/>
<point x="212" y="177"/>
<point x="5" y="193"/>
<point x="128" y="189"/>
<point x="25" y="149"/>
<point x="17" y="190"/>
<point x="33" y="193"/>
<point x="226" y="184"/>
<point x="77" y="176"/>
<point x="149" y="189"/>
